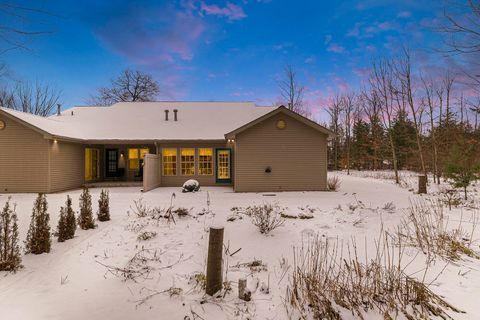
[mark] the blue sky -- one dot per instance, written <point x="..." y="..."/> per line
<point x="221" y="50"/>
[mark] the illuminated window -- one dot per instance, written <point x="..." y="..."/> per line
<point x="169" y="159"/>
<point x="223" y="164"/>
<point x="187" y="161"/>
<point x="92" y="164"/>
<point x="135" y="157"/>
<point x="205" y="161"/>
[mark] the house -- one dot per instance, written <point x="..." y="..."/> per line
<point x="238" y="144"/>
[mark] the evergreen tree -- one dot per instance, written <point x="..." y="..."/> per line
<point x="463" y="165"/>
<point x="361" y="145"/>
<point x="403" y="131"/>
<point x="67" y="223"/>
<point x="38" y="237"/>
<point x="10" y="259"/>
<point x="104" y="206"/>
<point x="85" y="220"/>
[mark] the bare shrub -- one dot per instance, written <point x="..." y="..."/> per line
<point x="146" y="235"/>
<point x="266" y="217"/>
<point x="182" y="212"/>
<point x="140" y="208"/>
<point x="426" y="227"/>
<point x="333" y="183"/>
<point x="324" y="283"/>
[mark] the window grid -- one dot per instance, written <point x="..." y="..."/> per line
<point x="205" y="161"/>
<point x="223" y="165"/>
<point x="188" y="162"/>
<point x="169" y="159"/>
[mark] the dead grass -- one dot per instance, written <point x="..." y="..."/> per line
<point x="333" y="183"/>
<point x="426" y="226"/>
<point x="266" y="217"/>
<point x="329" y="280"/>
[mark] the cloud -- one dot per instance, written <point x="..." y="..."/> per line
<point x="231" y="11"/>
<point x="335" y="48"/>
<point x="361" y="72"/>
<point x="328" y="38"/>
<point x="310" y="60"/>
<point x="404" y="14"/>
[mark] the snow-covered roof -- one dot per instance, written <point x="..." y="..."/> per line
<point x="146" y="120"/>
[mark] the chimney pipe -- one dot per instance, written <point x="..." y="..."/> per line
<point x="166" y="115"/>
<point x="175" y="114"/>
<point x="58" y="109"/>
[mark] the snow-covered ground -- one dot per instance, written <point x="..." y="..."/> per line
<point x="73" y="282"/>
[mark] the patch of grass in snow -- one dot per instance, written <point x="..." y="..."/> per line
<point x="427" y="227"/>
<point x="329" y="280"/>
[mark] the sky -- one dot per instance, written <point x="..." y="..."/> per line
<point x="220" y="50"/>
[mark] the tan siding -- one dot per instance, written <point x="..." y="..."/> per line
<point x="296" y="154"/>
<point x="151" y="172"/>
<point x="23" y="159"/>
<point x="67" y="165"/>
<point x="178" y="180"/>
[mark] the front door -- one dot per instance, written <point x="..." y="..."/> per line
<point x="224" y="165"/>
<point x="112" y="163"/>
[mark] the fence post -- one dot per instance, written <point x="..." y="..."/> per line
<point x="422" y="184"/>
<point x="214" y="260"/>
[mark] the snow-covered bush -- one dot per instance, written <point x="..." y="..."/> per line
<point x="67" y="224"/>
<point x="191" y="186"/>
<point x="140" y="208"/>
<point x="38" y="236"/>
<point x="103" y="213"/>
<point x="10" y="259"/>
<point x="333" y="183"/>
<point x="266" y="217"/>
<point x="85" y="219"/>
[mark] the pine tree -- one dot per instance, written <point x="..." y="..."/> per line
<point x="67" y="223"/>
<point x="71" y="221"/>
<point x="463" y="165"/>
<point x="10" y="259"/>
<point x="38" y="237"/>
<point x="104" y="206"/>
<point x="85" y="220"/>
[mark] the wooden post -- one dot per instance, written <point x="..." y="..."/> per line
<point x="422" y="184"/>
<point x="242" y="285"/>
<point x="214" y="260"/>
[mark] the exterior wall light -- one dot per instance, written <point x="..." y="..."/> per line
<point x="268" y="169"/>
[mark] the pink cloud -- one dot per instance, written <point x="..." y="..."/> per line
<point x="361" y="72"/>
<point x="404" y="14"/>
<point x="335" y="48"/>
<point x="230" y="11"/>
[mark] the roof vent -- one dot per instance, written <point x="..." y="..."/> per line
<point x="175" y="111"/>
<point x="166" y="115"/>
<point x="59" y="107"/>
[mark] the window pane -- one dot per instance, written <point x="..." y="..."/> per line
<point x="132" y="153"/>
<point x="205" y="161"/>
<point x="143" y="152"/>
<point x="223" y="164"/>
<point x="188" y="162"/>
<point x="133" y="164"/>
<point x="169" y="159"/>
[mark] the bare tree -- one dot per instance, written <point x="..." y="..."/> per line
<point x="38" y="98"/>
<point x="429" y="88"/>
<point x="403" y="68"/>
<point x="348" y="104"/>
<point x="130" y="86"/>
<point x="383" y="90"/>
<point x="371" y="106"/>
<point x="292" y="91"/>
<point x="334" y="110"/>
<point x="18" y="24"/>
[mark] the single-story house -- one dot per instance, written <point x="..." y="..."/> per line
<point x="238" y="144"/>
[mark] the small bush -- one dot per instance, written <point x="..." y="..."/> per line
<point x="38" y="236"/>
<point x="67" y="224"/>
<point x="333" y="183"/>
<point x="103" y="213"/>
<point x="10" y="259"/>
<point x="85" y="219"/>
<point x="266" y="217"/>
<point x="140" y="208"/>
<point x="146" y="235"/>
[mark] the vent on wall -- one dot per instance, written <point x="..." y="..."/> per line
<point x="166" y="115"/>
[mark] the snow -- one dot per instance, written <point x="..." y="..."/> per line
<point x="72" y="282"/>
<point x="146" y="120"/>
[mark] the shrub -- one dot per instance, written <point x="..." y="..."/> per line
<point x="67" y="224"/>
<point x="10" y="259"/>
<point x="85" y="219"/>
<point x="325" y="283"/>
<point x="266" y="217"/>
<point x="103" y="213"/>
<point x="38" y="237"/>
<point x="333" y="183"/>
